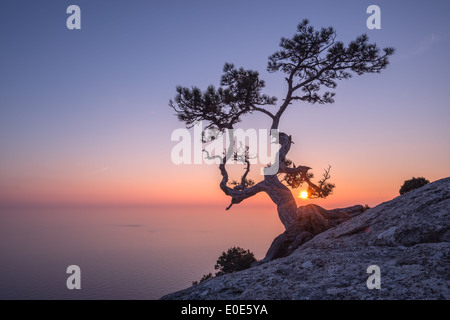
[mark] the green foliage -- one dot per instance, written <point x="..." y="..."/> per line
<point x="316" y="60"/>
<point x="235" y="259"/>
<point x="412" y="184"/>
<point x="239" y="94"/>
<point x="313" y="61"/>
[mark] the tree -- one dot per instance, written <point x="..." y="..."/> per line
<point x="313" y="61"/>
<point x="412" y="184"/>
<point x="235" y="259"/>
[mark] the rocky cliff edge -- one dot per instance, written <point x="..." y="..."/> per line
<point x="407" y="238"/>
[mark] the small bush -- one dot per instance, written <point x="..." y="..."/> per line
<point x="412" y="184"/>
<point x="235" y="259"/>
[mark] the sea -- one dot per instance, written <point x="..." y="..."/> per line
<point x="122" y="252"/>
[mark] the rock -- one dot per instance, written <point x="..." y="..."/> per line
<point x="407" y="237"/>
<point x="312" y="220"/>
<point x="352" y="211"/>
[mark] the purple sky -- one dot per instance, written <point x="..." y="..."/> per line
<point x="84" y="115"/>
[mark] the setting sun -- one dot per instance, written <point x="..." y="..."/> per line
<point x="304" y="194"/>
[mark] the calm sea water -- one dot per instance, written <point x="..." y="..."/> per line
<point x="123" y="253"/>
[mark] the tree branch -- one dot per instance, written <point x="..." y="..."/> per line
<point x="315" y="59"/>
<point x="237" y="194"/>
<point x="264" y="111"/>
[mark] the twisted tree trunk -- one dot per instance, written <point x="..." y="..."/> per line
<point x="283" y="199"/>
<point x="275" y="189"/>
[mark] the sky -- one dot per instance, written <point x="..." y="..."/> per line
<point x="84" y="116"/>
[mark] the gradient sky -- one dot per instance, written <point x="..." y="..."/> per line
<point x="84" y="116"/>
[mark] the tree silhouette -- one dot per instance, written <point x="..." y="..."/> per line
<point x="235" y="259"/>
<point x="312" y="61"/>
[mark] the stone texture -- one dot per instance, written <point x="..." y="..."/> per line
<point x="311" y="220"/>
<point x="407" y="237"/>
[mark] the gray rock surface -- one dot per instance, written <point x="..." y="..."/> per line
<point x="407" y="237"/>
<point x="311" y="221"/>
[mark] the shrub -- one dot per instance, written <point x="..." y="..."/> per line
<point x="412" y="184"/>
<point x="235" y="259"/>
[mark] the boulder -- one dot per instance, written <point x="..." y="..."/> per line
<point x="312" y="220"/>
